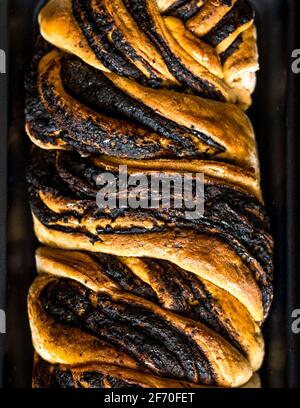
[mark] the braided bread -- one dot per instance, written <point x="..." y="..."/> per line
<point x="191" y="45"/>
<point x="102" y="376"/>
<point x="159" y="87"/>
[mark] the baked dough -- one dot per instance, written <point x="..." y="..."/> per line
<point x="146" y="297"/>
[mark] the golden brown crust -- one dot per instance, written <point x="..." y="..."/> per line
<point x="199" y="50"/>
<point x="235" y="138"/>
<point x="222" y="173"/>
<point x="81" y="267"/>
<point x="240" y="67"/>
<point x="227" y="364"/>
<point x="60" y="27"/>
<point x="143" y="47"/>
<point x="56" y="17"/>
<point x="209" y="16"/>
<point x="146" y="297"/>
<point x="47" y="375"/>
<point x="140" y="232"/>
<point x="164" y="5"/>
<point x="57" y="26"/>
<point x="219" y="265"/>
<point x="58" y="343"/>
<point x="236" y="133"/>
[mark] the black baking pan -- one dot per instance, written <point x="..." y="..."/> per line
<point x="274" y="116"/>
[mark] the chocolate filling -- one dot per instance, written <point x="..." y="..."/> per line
<point x="111" y="48"/>
<point x="48" y="375"/>
<point x="154" y="342"/>
<point x="97" y="91"/>
<point x="139" y="10"/>
<point x="123" y="276"/>
<point x="124" y="126"/>
<point x="233" y="216"/>
<point x="240" y="14"/>
<point x="96" y="32"/>
<point x="231" y="50"/>
<point x="184" y="9"/>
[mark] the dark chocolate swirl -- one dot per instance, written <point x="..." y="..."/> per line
<point x="161" y="43"/>
<point x="73" y="106"/>
<point x="146" y="296"/>
<point x="233" y="216"/>
<point x="129" y="304"/>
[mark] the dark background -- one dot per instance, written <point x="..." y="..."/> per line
<point x="274" y="115"/>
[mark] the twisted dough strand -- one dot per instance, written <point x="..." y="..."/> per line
<point x="146" y="297"/>
<point x="142" y="284"/>
<point x="120" y="36"/>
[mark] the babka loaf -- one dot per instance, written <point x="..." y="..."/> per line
<point x="146" y="297"/>
<point x="101" y="376"/>
<point x="205" y="47"/>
